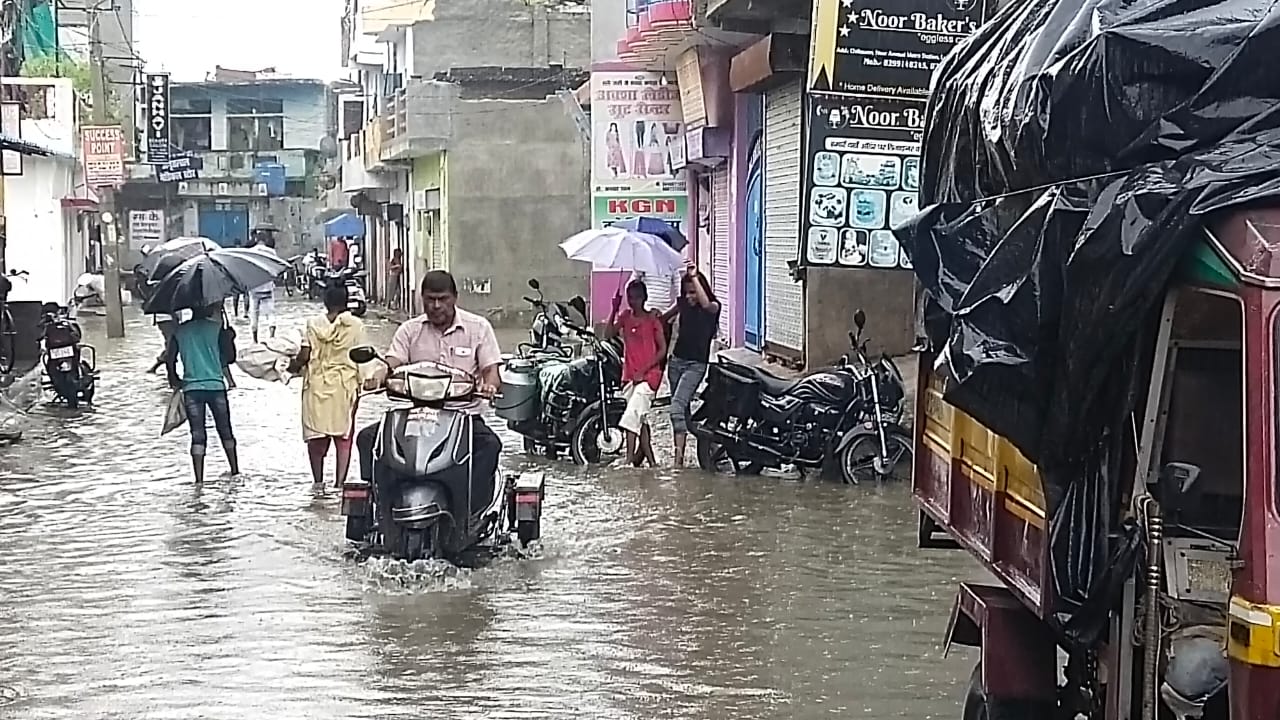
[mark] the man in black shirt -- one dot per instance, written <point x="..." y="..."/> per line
<point x="699" y="313"/>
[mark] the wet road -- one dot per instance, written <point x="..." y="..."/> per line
<point x="126" y="592"/>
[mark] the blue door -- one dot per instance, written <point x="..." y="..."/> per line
<point x="225" y="223"/>
<point x="754" y="320"/>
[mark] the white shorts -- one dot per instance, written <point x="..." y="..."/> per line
<point x="639" y="399"/>
<point x="262" y="310"/>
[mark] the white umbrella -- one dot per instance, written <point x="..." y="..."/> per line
<point x="617" y="249"/>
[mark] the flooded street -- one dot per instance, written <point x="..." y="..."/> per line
<point x="126" y="592"/>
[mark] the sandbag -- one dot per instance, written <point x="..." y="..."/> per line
<point x="269" y="359"/>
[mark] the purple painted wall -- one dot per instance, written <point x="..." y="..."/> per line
<point x="738" y="163"/>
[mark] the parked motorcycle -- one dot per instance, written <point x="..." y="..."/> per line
<point x="557" y="402"/>
<point x="313" y="274"/>
<point x="439" y="510"/>
<point x="839" y="419"/>
<point x="357" y="303"/>
<point x="289" y="278"/>
<point x="547" y="332"/>
<point x="70" y="367"/>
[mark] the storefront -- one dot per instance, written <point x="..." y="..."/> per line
<point x="707" y="106"/>
<point x="784" y="307"/>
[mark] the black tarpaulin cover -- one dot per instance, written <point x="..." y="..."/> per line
<point x="1072" y="151"/>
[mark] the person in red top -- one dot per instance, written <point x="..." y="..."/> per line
<point x="338" y="253"/>
<point x="644" y="345"/>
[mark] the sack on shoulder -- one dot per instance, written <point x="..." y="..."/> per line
<point x="227" y="342"/>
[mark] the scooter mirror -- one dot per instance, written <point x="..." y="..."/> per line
<point x="533" y="283"/>
<point x="578" y="303"/>
<point x="860" y="319"/>
<point x="362" y="354"/>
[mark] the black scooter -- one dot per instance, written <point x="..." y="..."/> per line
<point x="424" y="452"/>
<point x="70" y="367"/>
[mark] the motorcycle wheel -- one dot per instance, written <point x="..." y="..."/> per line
<point x="420" y="544"/>
<point x="360" y="309"/>
<point x="90" y="386"/>
<point x="712" y="457"/>
<point x="857" y="462"/>
<point x="358" y="527"/>
<point x="527" y="532"/>
<point x="584" y="442"/>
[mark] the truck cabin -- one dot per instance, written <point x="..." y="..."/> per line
<point x="1204" y="448"/>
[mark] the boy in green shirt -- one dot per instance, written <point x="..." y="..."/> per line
<point x="196" y="343"/>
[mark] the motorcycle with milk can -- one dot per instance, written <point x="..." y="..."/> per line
<point x="557" y="402"/>
<point x="423" y="456"/>
<point x="841" y="419"/>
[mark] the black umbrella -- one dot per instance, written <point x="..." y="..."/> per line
<point x="210" y="278"/>
<point x="182" y="248"/>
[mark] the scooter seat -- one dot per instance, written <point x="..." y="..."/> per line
<point x="771" y="384"/>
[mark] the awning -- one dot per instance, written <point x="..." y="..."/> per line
<point x="9" y="142"/>
<point x="82" y="198"/>
<point x="345" y="225"/>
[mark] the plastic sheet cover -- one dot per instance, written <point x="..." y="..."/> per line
<point x="1071" y="154"/>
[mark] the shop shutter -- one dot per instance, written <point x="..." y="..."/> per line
<point x="721" y="247"/>
<point x="783" y="296"/>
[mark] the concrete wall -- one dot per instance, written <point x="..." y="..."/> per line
<point x="833" y="295"/>
<point x="517" y="187"/>
<point x="306" y="118"/>
<point x="608" y="23"/>
<point x="470" y="33"/>
<point x="295" y="217"/>
<point x="39" y="241"/>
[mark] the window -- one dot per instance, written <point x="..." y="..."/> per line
<point x="192" y="123"/>
<point x="255" y="124"/>
<point x="193" y="134"/>
<point x="1207" y="363"/>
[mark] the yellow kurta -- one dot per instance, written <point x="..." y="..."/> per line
<point x="330" y="380"/>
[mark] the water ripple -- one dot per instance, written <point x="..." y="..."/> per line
<point x="130" y="593"/>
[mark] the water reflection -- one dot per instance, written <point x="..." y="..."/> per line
<point x="127" y="592"/>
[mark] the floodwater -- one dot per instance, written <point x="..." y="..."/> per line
<point x="127" y="592"/>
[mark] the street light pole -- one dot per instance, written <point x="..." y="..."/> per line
<point x="110" y="238"/>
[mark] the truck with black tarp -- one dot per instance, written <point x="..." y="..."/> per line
<point x="1099" y="246"/>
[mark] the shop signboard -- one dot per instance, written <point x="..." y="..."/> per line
<point x="635" y="118"/>
<point x="870" y="67"/>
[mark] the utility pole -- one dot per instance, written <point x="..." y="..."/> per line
<point x="110" y="238"/>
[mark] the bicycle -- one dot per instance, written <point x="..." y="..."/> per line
<point x="8" y="332"/>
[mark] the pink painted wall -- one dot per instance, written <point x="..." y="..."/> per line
<point x="738" y="166"/>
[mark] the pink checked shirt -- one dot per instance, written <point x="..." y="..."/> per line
<point x="469" y="344"/>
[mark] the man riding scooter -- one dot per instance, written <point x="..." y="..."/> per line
<point x="451" y="336"/>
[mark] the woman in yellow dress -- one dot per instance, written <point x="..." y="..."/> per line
<point x="330" y="383"/>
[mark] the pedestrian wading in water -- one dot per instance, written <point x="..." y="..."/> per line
<point x="698" y="312"/>
<point x="644" y="346"/>
<point x="330" y="384"/>
<point x="197" y="343"/>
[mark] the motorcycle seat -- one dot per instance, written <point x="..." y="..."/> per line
<point x="771" y="384"/>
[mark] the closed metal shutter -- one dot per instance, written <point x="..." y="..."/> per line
<point x="705" y="215"/>
<point x="783" y="296"/>
<point x="721" y="246"/>
<point x="660" y="294"/>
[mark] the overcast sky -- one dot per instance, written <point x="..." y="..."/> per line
<point x="189" y="37"/>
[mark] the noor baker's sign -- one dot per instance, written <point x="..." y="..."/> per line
<point x="870" y="67"/>
<point x="886" y="48"/>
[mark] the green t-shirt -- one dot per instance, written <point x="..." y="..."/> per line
<point x="201" y="357"/>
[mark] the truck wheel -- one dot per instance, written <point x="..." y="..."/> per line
<point x="977" y="706"/>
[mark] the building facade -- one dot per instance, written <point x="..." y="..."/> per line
<point x="462" y="154"/>
<point x="738" y="69"/>
<point x="45" y="199"/>
<point x="253" y="142"/>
